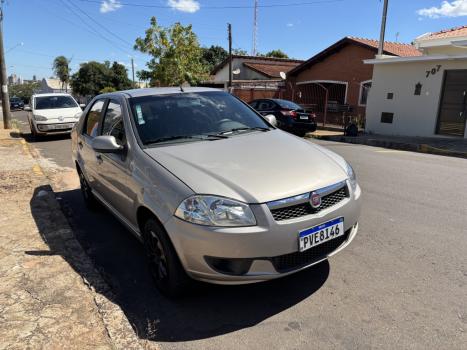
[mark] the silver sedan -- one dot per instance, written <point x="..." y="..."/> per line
<point x="213" y="190"/>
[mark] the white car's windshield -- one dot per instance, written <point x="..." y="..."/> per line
<point x="54" y="102"/>
<point x="192" y="116"/>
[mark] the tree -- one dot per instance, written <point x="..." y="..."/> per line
<point x="213" y="56"/>
<point x="239" y="52"/>
<point x="276" y="53"/>
<point x="145" y="75"/>
<point x="92" y="77"/>
<point x="23" y="91"/>
<point x="176" y="54"/>
<point x="107" y="89"/>
<point x="61" y="67"/>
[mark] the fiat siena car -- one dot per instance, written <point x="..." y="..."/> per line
<point x="214" y="190"/>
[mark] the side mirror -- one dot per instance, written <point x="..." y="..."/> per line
<point x="106" y="144"/>
<point x="27" y="109"/>
<point x="271" y="118"/>
<point x="82" y="105"/>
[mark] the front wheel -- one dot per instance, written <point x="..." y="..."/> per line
<point x="164" y="264"/>
<point x="89" y="199"/>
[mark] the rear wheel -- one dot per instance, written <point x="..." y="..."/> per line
<point x="164" y="264"/>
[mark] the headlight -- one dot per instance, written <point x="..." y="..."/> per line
<point x="40" y="118"/>
<point x="215" y="211"/>
<point x="77" y="115"/>
<point x="352" y="177"/>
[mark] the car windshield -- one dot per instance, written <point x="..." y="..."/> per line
<point x="192" y="116"/>
<point x="54" y="102"/>
<point x="288" y="104"/>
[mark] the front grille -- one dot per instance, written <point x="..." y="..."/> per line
<point x="296" y="211"/>
<point x="293" y="261"/>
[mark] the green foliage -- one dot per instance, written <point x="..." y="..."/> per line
<point x="239" y="52"/>
<point x="176" y="54"/>
<point x="92" y="77"/>
<point x="107" y="89"/>
<point x="61" y="67"/>
<point x="23" y="91"/>
<point x="275" y="53"/>
<point x="213" y="56"/>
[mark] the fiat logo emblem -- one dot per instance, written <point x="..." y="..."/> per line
<point x="315" y="200"/>
<point x="61" y="118"/>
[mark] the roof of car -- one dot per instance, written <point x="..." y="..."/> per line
<point x="53" y="94"/>
<point x="165" y="91"/>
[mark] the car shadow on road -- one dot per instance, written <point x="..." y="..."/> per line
<point x="207" y="311"/>
<point x="29" y="138"/>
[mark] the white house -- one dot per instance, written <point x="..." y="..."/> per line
<point x="53" y="85"/>
<point x="424" y="95"/>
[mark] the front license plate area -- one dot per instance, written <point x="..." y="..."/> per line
<point x="317" y="235"/>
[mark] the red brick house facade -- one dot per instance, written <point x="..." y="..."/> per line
<point x="339" y="72"/>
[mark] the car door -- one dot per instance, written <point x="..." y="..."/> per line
<point x="114" y="168"/>
<point x="87" y="156"/>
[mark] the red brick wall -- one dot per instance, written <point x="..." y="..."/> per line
<point x="345" y="65"/>
<point x="248" y="95"/>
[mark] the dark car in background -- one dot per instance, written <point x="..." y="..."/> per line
<point x="16" y="103"/>
<point x="290" y="116"/>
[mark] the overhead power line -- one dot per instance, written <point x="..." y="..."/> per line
<point x="304" y="3"/>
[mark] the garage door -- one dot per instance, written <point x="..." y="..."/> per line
<point x="453" y="109"/>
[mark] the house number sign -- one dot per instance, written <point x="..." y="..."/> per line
<point x="433" y="70"/>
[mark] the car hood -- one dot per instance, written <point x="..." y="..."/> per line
<point x="254" y="168"/>
<point x="58" y="112"/>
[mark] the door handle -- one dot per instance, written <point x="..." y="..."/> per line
<point x="99" y="159"/>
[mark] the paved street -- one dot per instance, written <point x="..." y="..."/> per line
<point x="401" y="284"/>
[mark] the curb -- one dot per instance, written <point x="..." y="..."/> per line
<point x="411" y="147"/>
<point x="119" y="330"/>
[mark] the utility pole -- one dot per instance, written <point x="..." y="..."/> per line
<point x="133" y="71"/>
<point x="229" y="28"/>
<point x="383" y="28"/>
<point x="3" y="78"/>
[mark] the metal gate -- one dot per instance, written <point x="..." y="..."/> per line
<point x="453" y="108"/>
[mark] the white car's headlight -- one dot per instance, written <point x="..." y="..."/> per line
<point x="78" y="115"/>
<point x="352" y="177"/>
<point x="40" y="118"/>
<point x="215" y="211"/>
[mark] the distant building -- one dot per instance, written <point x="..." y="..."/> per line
<point x="12" y="79"/>
<point x="53" y="85"/>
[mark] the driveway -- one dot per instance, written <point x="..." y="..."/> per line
<point x="401" y="283"/>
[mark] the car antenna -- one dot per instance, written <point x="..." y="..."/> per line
<point x="181" y="88"/>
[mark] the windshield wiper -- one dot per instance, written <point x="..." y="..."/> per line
<point x="258" y="128"/>
<point x="188" y="137"/>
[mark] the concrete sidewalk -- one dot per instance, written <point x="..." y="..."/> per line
<point x="51" y="296"/>
<point x="454" y="147"/>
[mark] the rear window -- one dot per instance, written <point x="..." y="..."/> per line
<point x="55" y="102"/>
<point x="288" y="104"/>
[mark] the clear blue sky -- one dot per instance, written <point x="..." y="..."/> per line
<point x="57" y="27"/>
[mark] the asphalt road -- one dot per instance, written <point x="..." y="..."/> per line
<point x="401" y="284"/>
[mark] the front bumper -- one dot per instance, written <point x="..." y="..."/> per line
<point x="53" y="128"/>
<point x="260" y="246"/>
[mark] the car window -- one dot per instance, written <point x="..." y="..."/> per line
<point x="55" y="102"/>
<point x="92" y="120"/>
<point x="288" y="104"/>
<point x="265" y="105"/>
<point x="254" y="104"/>
<point x="191" y="114"/>
<point x="113" y="122"/>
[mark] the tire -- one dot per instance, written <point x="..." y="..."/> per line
<point x="300" y="133"/>
<point x="34" y="134"/>
<point x="164" y="265"/>
<point x="88" y="197"/>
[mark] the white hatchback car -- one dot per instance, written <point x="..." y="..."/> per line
<point x="52" y="113"/>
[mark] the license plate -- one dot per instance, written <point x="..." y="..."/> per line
<point x="317" y="235"/>
<point x="303" y="117"/>
<point x="61" y="126"/>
